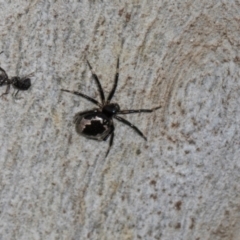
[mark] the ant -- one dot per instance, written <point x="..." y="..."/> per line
<point x="21" y="84"/>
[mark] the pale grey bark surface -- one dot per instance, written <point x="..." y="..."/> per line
<point x="184" y="182"/>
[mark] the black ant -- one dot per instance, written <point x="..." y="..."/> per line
<point x="21" y="84"/>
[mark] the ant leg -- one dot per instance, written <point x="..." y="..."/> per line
<point x="15" y="95"/>
<point x="7" y="90"/>
<point x="98" y="83"/>
<point x="110" y="96"/>
<point x="5" y="75"/>
<point x="84" y="96"/>
<point x="131" y="125"/>
<point x="138" y="110"/>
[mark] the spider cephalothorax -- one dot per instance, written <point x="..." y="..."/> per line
<point x="98" y="123"/>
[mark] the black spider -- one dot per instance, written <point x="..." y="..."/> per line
<point x="98" y="123"/>
<point x="17" y="82"/>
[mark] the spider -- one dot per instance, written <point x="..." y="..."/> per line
<point x="97" y="123"/>
<point x="22" y="84"/>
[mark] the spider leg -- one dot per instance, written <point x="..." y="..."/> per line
<point x="130" y="125"/>
<point x="138" y="110"/>
<point x="84" y="96"/>
<point x="111" y="141"/>
<point x="106" y="137"/>
<point x="110" y="96"/>
<point x="98" y="83"/>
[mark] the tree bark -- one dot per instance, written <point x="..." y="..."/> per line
<point x="183" y="183"/>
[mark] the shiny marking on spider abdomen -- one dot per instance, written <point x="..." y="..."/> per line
<point x="95" y="126"/>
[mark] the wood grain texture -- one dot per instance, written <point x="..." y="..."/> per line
<point x="184" y="182"/>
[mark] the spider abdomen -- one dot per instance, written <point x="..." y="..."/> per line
<point x="94" y="125"/>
